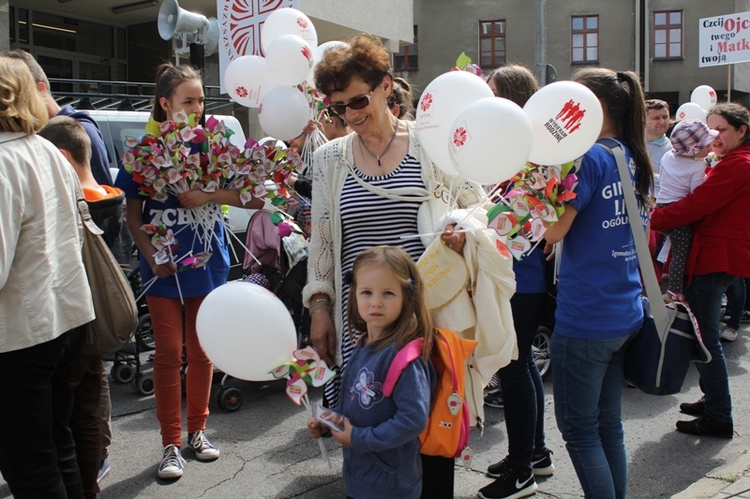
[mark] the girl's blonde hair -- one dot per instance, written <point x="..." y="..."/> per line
<point x="21" y="107"/>
<point x="414" y="321"/>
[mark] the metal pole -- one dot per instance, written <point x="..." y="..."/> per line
<point x="541" y="41"/>
<point x="729" y="83"/>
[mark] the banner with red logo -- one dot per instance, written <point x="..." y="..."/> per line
<point x="240" y="24"/>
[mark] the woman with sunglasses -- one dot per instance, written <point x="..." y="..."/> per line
<point x="382" y="153"/>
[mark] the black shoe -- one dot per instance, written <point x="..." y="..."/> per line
<point x="494" y="400"/>
<point x="692" y="408"/>
<point x="542" y="463"/>
<point x="705" y="426"/>
<point x="511" y="483"/>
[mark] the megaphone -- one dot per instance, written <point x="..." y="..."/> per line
<point x="174" y="20"/>
<point x="211" y="40"/>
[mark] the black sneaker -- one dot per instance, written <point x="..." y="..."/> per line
<point x="745" y="316"/>
<point x="692" y="408"/>
<point x="511" y="483"/>
<point x="705" y="426"/>
<point x="494" y="400"/>
<point x="542" y="463"/>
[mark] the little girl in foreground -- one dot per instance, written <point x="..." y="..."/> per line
<point x="381" y="435"/>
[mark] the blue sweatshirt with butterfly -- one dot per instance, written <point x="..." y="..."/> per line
<point x="383" y="460"/>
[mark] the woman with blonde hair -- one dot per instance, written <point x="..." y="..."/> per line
<point x="44" y="296"/>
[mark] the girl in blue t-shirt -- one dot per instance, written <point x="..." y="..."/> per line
<point x="179" y="88"/>
<point x="381" y="434"/>
<point x="599" y="291"/>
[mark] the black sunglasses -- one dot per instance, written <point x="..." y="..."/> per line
<point x="358" y="103"/>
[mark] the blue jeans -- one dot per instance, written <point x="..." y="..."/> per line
<point x="736" y="298"/>
<point x="588" y="379"/>
<point x="704" y="296"/>
<point x="522" y="386"/>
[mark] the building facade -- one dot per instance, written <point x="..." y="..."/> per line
<point x="656" y="38"/>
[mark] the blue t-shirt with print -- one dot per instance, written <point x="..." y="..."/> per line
<point x="599" y="285"/>
<point x="193" y="282"/>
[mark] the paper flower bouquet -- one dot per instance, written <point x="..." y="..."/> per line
<point x="532" y="201"/>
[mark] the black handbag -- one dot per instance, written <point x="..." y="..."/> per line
<point x="658" y="358"/>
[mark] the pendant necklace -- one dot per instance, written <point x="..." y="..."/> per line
<point x="378" y="157"/>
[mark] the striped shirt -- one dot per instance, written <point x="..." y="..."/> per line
<point x="368" y="220"/>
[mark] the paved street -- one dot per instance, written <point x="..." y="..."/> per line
<point x="266" y="452"/>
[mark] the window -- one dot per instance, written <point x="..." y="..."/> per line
<point x="491" y="43"/>
<point x="668" y="34"/>
<point x="584" y="39"/>
<point x="407" y="58"/>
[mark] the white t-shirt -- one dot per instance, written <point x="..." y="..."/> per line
<point x="680" y="175"/>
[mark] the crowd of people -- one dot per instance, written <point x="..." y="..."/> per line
<point x="365" y="298"/>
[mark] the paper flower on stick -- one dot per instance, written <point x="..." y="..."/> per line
<point x="307" y="368"/>
<point x="463" y="63"/>
<point x="532" y="201"/>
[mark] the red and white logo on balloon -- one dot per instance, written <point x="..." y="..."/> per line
<point x="241" y="91"/>
<point x="426" y="102"/>
<point x="301" y="22"/>
<point x="260" y="108"/>
<point x="460" y="136"/>
<point x="307" y="53"/>
<point x="681" y="115"/>
<point x="712" y="94"/>
<point x="571" y="115"/>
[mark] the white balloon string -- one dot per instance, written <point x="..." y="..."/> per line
<point x="323" y="451"/>
<point x="150" y="282"/>
<point x="242" y="244"/>
<point x="177" y="280"/>
<point x="474" y="229"/>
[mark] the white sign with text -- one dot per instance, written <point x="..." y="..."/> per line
<point x="724" y="40"/>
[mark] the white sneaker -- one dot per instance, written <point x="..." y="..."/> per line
<point x="204" y="449"/>
<point x="728" y="334"/>
<point x="171" y="463"/>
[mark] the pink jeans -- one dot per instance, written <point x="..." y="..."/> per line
<point x="167" y="322"/>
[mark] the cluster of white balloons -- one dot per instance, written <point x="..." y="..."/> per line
<point x="466" y="130"/>
<point x="290" y="44"/>
<point x="702" y="99"/>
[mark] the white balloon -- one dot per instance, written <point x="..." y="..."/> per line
<point x="704" y="96"/>
<point x="290" y="59"/>
<point x="440" y="103"/>
<point x="690" y="111"/>
<point x="490" y="140"/>
<point x="245" y="330"/>
<point x="566" y="118"/>
<point x="318" y="53"/>
<point x="247" y="79"/>
<point x="284" y="113"/>
<point x="287" y="21"/>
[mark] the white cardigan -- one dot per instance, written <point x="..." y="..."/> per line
<point x="43" y="287"/>
<point x="324" y="272"/>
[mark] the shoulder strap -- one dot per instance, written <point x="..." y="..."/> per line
<point x="658" y="310"/>
<point x="408" y="354"/>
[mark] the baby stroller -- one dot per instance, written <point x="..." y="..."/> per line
<point x="127" y="367"/>
<point x="278" y="262"/>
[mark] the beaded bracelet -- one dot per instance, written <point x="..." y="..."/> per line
<point x="320" y="311"/>
<point x="320" y="300"/>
